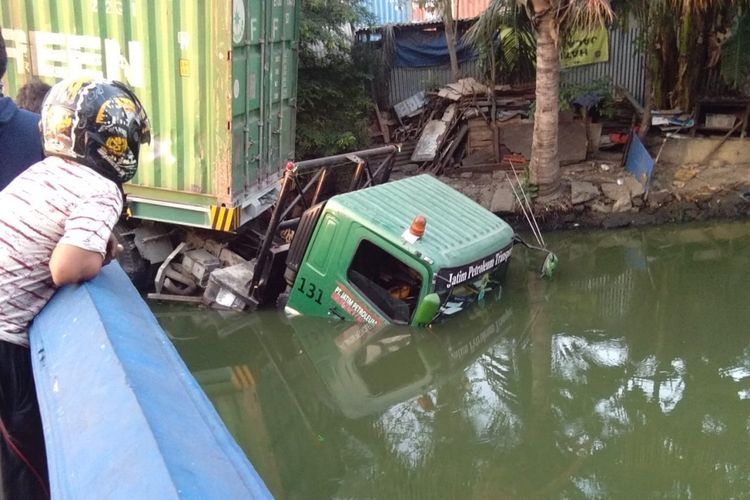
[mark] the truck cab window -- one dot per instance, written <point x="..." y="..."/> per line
<point x="386" y="281"/>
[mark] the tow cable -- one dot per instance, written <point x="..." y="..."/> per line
<point x="550" y="261"/>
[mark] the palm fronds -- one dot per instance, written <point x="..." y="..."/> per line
<point x="584" y="14"/>
<point x="503" y="36"/>
<point x="735" y="54"/>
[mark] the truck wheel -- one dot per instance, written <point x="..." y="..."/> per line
<point x="281" y="300"/>
<point x="135" y="266"/>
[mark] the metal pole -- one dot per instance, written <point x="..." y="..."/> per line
<point x="270" y="231"/>
<point x="319" y="189"/>
<point x="302" y="166"/>
<point x="357" y="175"/>
<point x="300" y="196"/>
<point x="293" y="223"/>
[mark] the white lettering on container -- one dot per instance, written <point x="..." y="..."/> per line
<point x="60" y="55"/>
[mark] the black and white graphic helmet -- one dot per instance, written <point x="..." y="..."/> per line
<point x="99" y="123"/>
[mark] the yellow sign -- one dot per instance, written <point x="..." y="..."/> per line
<point x="585" y="47"/>
<point x="184" y="67"/>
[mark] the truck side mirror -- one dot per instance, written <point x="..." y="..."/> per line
<point x="427" y="309"/>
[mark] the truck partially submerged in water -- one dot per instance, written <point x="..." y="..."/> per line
<point x="407" y="252"/>
<point x="412" y="251"/>
<point x="219" y="213"/>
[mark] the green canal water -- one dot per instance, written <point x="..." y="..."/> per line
<point x="627" y="376"/>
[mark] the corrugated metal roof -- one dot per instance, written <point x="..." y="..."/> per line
<point x="459" y="230"/>
<point x="416" y="25"/>
<point x="390" y="11"/>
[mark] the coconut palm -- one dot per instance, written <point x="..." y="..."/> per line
<point x="503" y="38"/>
<point x="552" y="21"/>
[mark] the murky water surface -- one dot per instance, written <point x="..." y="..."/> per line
<point x="627" y="376"/>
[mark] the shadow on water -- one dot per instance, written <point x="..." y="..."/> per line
<point x="628" y="375"/>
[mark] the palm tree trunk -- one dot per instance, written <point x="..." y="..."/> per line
<point x="685" y="49"/>
<point x="450" y="38"/>
<point x="545" y="164"/>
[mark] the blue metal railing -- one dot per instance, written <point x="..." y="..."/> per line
<point x="123" y="417"/>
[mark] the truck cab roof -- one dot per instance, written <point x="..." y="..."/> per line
<point x="458" y="230"/>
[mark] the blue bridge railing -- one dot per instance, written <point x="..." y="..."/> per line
<point x="123" y="417"/>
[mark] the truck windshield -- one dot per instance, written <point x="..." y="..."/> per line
<point x="462" y="296"/>
<point x="459" y="287"/>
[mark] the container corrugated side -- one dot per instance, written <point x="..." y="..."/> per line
<point x="173" y="54"/>
<point x="204" y="164"/>
<point x="264" y="90"/>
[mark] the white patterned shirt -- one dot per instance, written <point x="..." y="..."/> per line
<point x="53" y="201"/>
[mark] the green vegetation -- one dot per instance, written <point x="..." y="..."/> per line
<point x="334" y="80"/>
<point x="600" y="101"/>
<point x="503" y="38"/>
<point x="735" y="54"/>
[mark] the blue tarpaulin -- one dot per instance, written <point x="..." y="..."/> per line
<point x="427" y="48"/>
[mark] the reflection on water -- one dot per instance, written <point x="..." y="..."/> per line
<point x="626" y="376"/>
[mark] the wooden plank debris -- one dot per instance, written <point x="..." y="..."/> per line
<point x="454" y="129"/>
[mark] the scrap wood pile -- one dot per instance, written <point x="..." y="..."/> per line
<point x="451" y="131"/>
<point x="454" y="130"/>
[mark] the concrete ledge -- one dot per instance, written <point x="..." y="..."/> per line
<point x="123" y="417"/>
<point x="695" y="150"/>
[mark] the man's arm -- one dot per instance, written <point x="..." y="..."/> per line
<point x="71" y="264"/>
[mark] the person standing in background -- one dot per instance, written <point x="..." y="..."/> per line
<point x="20" y="140"/>
<point x="31" y="95"/>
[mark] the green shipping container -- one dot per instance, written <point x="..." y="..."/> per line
<point x="218" y="79"/>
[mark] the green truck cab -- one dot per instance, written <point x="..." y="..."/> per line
<point x="356" y="256"/>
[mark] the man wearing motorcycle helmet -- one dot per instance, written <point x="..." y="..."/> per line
<point x="56" y="221"/>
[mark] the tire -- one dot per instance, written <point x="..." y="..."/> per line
<point x="136" y="267"/>
<point x="282" y="300"/>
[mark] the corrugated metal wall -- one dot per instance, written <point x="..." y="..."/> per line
<point x="390" y="11"/>
<point x="405" y="82"/>
<point x="624" y="68"/>
<point x="462" y="9"/>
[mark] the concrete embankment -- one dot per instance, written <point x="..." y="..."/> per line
<point x="695" y="179"/>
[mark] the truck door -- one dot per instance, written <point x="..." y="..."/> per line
<point x="389" y="280"/>
<point x="350" y="272"/>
